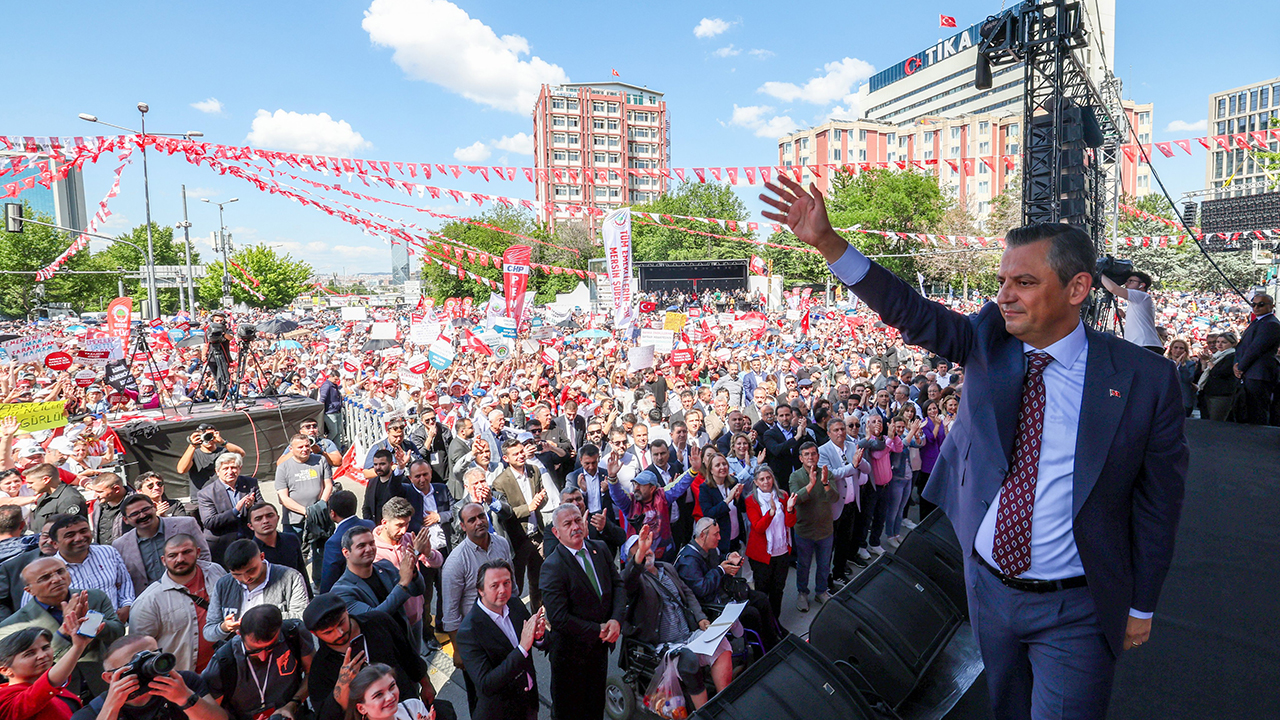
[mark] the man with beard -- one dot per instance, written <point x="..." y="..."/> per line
<point x="434" y="439"/>
<point x="386" y="483"/>
<point x="174" y="609"/>
<point x="349" y="640"/>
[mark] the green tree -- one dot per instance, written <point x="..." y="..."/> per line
<point x="33" y="249"/>
<point x="693" y="199"/>
<point x="906" y="202"/>
<point x="282" y="278"/>
<point x="1181" y="267"/>
<point x="165" y="249"/>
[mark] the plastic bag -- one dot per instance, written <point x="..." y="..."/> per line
<point x="665" y="696"/>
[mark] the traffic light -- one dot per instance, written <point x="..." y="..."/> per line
<point x="13" y="217"/>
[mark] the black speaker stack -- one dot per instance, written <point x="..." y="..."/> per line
<point x="872" y="645"/>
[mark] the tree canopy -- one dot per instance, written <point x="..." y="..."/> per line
<point x="1181" y="267"/>
<point x="282" y="278"/>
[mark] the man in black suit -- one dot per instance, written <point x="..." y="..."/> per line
<point x="782" y="441"/>
<point x="1256" y="362"/>
<point x="585" y="603"/>
<point x="1063" y="473"/>
<point x="12" y="584"/>
<point x="664" y="466"/>
<point x="433" y="440"/>
<point x="571" y="426"/>
<point x="224" y="504"/>
<point x="496" y="641"/>
<point x="590" y="479"/>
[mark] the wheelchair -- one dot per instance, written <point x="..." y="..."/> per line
<point x="638" y="661"/>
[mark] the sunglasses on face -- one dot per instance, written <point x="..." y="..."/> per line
<point x="1262" y="303"/>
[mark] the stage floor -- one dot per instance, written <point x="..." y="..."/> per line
<point x="1213" y="650"/>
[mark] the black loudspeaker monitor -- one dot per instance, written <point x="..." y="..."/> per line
<point x="888" y="624"/>
<point x="933" y="549"/>
<point x="792" y="682"/>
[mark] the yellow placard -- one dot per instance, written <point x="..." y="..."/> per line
<point x="674" y="321"/>
<point x="36" y="416"/>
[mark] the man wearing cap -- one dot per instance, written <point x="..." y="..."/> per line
<point x="95" y="401"/>
<point x="649" y="505"/>
<point x="368" y="638"/>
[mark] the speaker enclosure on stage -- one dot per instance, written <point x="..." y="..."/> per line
<point x="888" y="624"/>
<point x="792" y="681"/>
<point x="933" y="549"/>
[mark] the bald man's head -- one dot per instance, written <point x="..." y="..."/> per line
<point x="47" y="580"/>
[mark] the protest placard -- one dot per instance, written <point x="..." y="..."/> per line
<point x="36" y="416"/>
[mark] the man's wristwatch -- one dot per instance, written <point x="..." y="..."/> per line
<point x="190" y="703"/>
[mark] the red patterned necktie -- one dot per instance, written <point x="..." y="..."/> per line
<point x="1011" y="548"/>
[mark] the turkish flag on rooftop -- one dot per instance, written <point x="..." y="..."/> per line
<point x="946" y="21"/>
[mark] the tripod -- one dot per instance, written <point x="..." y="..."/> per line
<point x="206" y="372"/>
<point x="247" y="355"/>
<point x="141" y="345"/>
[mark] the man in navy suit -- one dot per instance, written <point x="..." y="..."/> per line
<point x="496" y="640"/>
<point x="1256" y="362"/>
<point x="1063" y="474"/>
<point x="342" y="508"/>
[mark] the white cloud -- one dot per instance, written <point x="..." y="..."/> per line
<point x="852" y="107"/>
<point x="305" y="133"/>
<point x="438" y="42"/>
<point x="473" y="153"/>
<point x="212" y="106"/>
<point x="710" y="27"/>
<point x="521" y="143"/>
<point x="755" y="117"/>
<point x="1183" y="126"/>
<point x="729" y="51"/>
<point x="839" y="81"/>
<point x="761" y="53"/>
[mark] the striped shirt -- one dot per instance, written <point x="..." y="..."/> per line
<point x="103" y="569"/>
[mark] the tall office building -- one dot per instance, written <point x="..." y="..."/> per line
<point x="1242" y="110"/>
<point x="925" y="112"/>
<point x="63" y="200"/>
<point x="401" y="264"/>
<point x="601" y="145"/>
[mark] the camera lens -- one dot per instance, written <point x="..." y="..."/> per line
<point x="208" y="436"/>
<point x="162" y="664"/>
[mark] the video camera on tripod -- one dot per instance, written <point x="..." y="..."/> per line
<point x="1118" y="270"/>
<point x="216" y="331"/>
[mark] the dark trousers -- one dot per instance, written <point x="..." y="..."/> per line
<point x="868" y="501"/>
<point x="771" y="579"/>
<point x="1044" y="653"/>
<point x="1260" y="401"/>
<point x="758" y="615"/>
<point x="577" y="683"/>
<point x="844" y="545"/>
<point x="926" y="507"/>
<point x="221" y="369"/>
<point x="527" y="555"/>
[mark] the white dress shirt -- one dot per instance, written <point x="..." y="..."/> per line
<point x="503" y="622"/>
<point x="1054" y="554"/>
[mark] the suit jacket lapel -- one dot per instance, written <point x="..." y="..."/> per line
<point x="1106" y="391"/>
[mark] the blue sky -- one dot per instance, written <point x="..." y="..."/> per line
<point x="431" y="80"/>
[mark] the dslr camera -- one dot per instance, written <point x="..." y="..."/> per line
<point x="1118" y="270"/>
<point x="148" y="665"/>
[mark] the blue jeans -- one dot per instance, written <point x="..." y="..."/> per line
<point x="805" y="551"/>
<point x="899" y="489"/>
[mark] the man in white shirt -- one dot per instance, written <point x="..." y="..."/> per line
<point x="496" y="641"/>
<point x="1140" y="317"/>
<point x="849" y="472"/>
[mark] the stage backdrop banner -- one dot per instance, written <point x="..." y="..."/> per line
<point x="515" y="278"/>
<point x="263" y="429"/>
<point x="617" y="253"/>
<point x="36" y="416"/>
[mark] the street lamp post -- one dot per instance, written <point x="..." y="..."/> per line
<point x="186" y="243"/>
<point x="222" y="243"/>
<point x="153" y="300"/>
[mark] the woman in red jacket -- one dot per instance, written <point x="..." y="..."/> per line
<point x="37" y="684"/>
<point x="769" y="542"/>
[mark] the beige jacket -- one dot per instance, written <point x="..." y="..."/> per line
<point x="164" y="612"/>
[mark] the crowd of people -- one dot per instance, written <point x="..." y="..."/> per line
<point x="621" y="501"/>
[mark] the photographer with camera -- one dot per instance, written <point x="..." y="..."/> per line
<point x="205" y="445"/>
<point x="143" y="685"/>
<point x="216" y="351"/>
<point x="1140" y="318"/>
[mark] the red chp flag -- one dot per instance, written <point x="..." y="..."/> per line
<point x="119" y="316"/>
<point x="474" y="344"/>
<point x="946" y="21"/>
<point x="757" y="265"/>
<point x="515" y="278"/>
